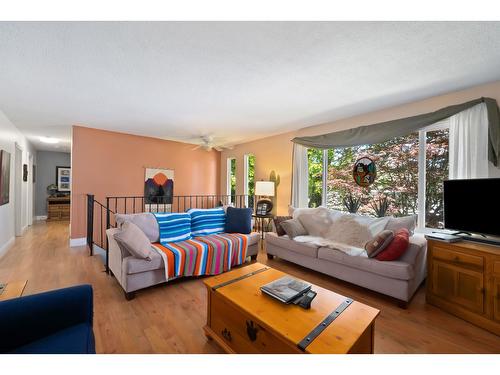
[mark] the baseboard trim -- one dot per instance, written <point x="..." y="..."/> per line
<point x="5" y="247"/>
<point x="74" y="242"/>
<point x="41" y="217"/>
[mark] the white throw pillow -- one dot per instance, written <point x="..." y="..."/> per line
<point x="317" y="221"/>
<point x="397" y="223"/>
<point x="295" y="212"/>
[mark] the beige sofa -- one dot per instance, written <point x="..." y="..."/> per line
<point x="133" y="273"/>
<point x="399" y="279"/>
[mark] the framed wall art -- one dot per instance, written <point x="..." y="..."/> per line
<point x="158" y="190"/>
<point x="4" y="177"/>
<point x="25" y="172"/>
<point x="63" y="179"/>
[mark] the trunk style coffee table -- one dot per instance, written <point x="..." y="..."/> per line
<point x="241" y="319"/>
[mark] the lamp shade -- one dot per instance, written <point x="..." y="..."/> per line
<point x="264" y="188"/>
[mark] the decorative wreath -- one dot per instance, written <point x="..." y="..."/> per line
<point x="364" y="171"/>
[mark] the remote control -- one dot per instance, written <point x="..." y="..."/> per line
<point x="305" y="301"/>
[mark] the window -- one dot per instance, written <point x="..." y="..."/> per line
<point x="410" y="172"/>
<point x="315" y="159"/>
<point x="436" y="170"/>
<point x="231" y="179"/>
<point x="249" y="183"/>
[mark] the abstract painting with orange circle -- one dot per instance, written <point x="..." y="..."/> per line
<point x="159" y="186"/>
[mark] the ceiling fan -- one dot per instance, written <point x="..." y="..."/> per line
<point x="208" y="142"/>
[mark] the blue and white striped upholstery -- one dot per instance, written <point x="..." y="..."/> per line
<point x="174" y="226"/>
<point x="207" y="221"/>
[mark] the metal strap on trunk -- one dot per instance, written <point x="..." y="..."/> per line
<point x="324" y="324"/>
<point x="239" y="278"/>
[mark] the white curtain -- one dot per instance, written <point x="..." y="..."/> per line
<point x="469" y="143"/>
<point x="300" y="176"/>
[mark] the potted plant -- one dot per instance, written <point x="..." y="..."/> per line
<point x="52" y="190"/>
<point x="351" y="203"/>
<point x="381" y="205"/>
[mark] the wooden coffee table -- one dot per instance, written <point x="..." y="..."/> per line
<point x="13" y="289"/>
<point x="243" y="320"/>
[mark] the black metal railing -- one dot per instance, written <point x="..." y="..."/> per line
<point x="102" y="216"/>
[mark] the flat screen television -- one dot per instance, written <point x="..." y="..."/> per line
<point x="472" y="205"/>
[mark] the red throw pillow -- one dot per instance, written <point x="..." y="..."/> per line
<point x="397" y="247"/>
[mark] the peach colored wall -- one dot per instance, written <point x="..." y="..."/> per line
<point x="276" y="152"/>
<point x="271" y="153"/>
<point x="112" y="164"/>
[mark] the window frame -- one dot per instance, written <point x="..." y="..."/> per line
<point x="422" y="171"/>
<point x="228" y="178"/>
<point x="246" y="159"/>
<point x="324" y="182"/>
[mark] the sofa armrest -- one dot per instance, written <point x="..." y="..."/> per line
<point x="417" y="248"/>
<point x="27" y="319"/>
<point x="116" y="255"/>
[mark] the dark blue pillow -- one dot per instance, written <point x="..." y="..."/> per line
<point x="238" y="220"/>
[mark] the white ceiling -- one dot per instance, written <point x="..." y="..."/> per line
<point x="233" y="80"/>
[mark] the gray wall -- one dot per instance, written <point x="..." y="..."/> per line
<point x="46" y="163"/>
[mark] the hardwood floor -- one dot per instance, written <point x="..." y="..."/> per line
<point x="169" y="318"/>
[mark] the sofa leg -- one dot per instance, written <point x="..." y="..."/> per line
<point x="270" y="256"/>
<point x="253" y="257"/>
<point x="403" y="304"/>
<point x="129" y="295"/>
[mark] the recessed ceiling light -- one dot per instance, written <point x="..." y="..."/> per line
<point x="49" y="140"/>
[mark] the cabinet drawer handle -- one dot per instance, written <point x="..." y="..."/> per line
<point x="252" y="330"/>
<point x="226" y="334"/>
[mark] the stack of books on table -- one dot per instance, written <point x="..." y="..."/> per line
<point x="286" y="289"/>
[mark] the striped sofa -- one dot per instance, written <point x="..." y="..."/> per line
<point x="133" y="273"/>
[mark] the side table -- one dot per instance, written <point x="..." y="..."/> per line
<point x="260" y="223"/>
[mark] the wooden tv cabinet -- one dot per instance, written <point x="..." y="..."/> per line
<point x="464" y="279"/>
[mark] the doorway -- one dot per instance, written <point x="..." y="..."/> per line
<point x="31" y="181"/>
<point x="18" y="190"/>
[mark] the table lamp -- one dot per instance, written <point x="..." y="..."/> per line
<point x="264" y="189"/>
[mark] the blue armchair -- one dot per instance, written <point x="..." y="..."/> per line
<point x="55" y="322"/>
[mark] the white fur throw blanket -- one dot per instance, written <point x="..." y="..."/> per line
<point x="338" y="230"/>
<point x="323" y="242"/>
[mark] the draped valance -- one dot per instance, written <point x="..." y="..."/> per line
<point x="383" y="131"/>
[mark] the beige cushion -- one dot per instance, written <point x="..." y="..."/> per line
<point x="145" y="221"/>
<point x="379" y="243"/>
<point x="277" y="220"/>
<point x="319" y="221"/>
<point x="397" y="223"/>
<point x="133" y="240"/>
<point x="285" y="242"/>
<point x="295" y="212"/>
<point x="293" y="228"/>
<point x="395" y="269"/>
